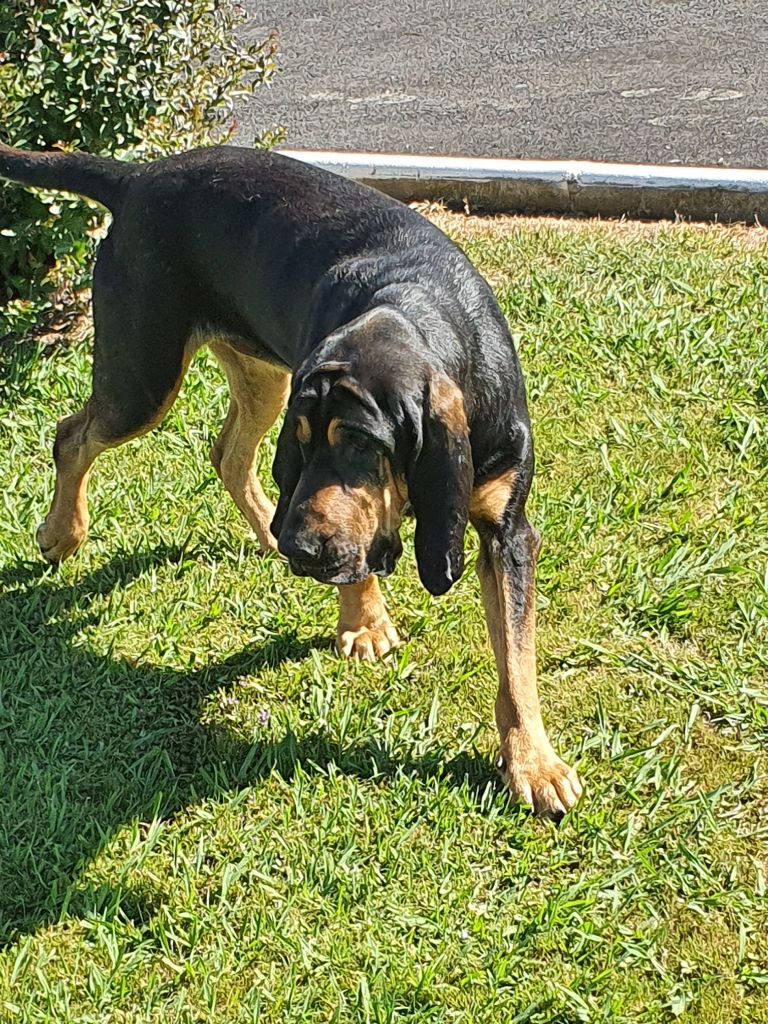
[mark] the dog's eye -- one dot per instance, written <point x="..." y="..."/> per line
<point x="357" y="439"/>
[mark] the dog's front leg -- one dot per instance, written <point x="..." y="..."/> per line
<point x="506" y="567"/>
<point x="365" y="629"/>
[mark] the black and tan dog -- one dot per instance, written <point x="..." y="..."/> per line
<point x="406" y="390"/>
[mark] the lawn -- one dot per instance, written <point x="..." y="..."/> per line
<point x="208" y="817"/>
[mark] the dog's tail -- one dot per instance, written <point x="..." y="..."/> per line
<point x="85" y="175"/>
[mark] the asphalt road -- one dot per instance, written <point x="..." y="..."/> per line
<point x="660" y="81"/>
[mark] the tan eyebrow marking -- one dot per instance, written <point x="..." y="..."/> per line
<point x="303" y="430"/>
<point x="333" y="431"/>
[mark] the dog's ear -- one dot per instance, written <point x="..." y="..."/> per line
<point x="439" y="484"/>
<point x="286" y="470"/>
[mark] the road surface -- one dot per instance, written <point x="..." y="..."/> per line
<point x="660" y="81"/>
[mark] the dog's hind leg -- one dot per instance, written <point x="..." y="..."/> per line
<point x="141" y="352"/>
<point x="66" y="525"/>
<point x="258" y="392"/>
<point x="80" y="438"/>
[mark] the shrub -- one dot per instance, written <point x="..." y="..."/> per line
<point x="113" y="77"/>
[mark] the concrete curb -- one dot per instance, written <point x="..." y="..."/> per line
<point x="558" y="186"/>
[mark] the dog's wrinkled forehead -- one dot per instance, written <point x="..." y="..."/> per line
<point x="327" y="377"/>
<point x="332" y="389"/>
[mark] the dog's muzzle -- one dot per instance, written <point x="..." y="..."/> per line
<point x="337" y="562"/>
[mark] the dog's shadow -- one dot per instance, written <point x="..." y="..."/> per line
<point x="66" y="790"/>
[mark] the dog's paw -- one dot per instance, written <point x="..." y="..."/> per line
<point x="535" y="775"/>
<point x="367" y="644"/>
<point x="58" y="545"/>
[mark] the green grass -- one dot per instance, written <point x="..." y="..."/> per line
<point x="206" y="816"/>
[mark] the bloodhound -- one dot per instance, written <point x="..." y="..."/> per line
<point x="402" y="385"/>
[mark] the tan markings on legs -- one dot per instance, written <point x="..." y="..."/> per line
<point x="66" y="525"/>
<point x="489" y="501"/>
<point x="532" y="769"/>
<point x="258" y="392"/>
<point x="80" y="438"/>
<point x="365" y="630"/>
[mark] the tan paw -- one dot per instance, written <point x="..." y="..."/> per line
<point x="55" y="546"/>
<point x="367" y="644"/>
<point x="537" y="776"/>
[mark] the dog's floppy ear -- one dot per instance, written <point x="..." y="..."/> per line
<point x="286" y="470"/>
<point x="439" y="484"/>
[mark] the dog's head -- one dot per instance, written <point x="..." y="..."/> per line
<point x="369" y="429"/>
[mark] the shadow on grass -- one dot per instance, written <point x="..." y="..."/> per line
<point x="89" y="742"/>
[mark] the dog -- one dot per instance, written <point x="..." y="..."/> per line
<point x="400" y="376"/>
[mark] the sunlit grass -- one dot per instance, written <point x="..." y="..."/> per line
<point x="206" y="816"/>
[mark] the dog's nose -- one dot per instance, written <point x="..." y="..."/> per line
<point x="300" y="546"/>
